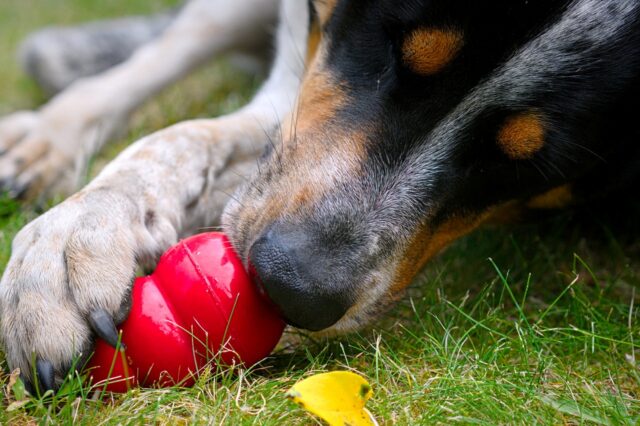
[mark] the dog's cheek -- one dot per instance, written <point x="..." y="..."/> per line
<point x="429" y="240"/>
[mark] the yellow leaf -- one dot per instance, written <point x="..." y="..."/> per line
<point x="337" y="397"/>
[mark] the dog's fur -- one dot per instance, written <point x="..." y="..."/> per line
<point x="391" y="129"/>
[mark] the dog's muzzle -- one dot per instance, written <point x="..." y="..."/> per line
<point x="294" y="272"/>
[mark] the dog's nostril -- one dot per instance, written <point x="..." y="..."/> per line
<point x="266" y="264"/>
<point x="287" y="270"/>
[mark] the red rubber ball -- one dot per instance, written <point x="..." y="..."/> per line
<point x="198" y="307"/>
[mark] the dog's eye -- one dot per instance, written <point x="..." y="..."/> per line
<point x="394" y="33"/>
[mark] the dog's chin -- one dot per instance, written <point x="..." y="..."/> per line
<point x="294" y="336"/>
<point x="358" y="320"/>
<point x="368" y="309"/>
<point x="345" y="325"/>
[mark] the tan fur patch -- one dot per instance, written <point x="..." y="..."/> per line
<point x="317" y="152"/>
<point x="313" y="41"/>
<point x="319" y="98"/>
<point x="427" y="242"/>
<point x="324" y="8"/>
<point x="303" y="196"/>
<point x="427" y="51"/>
<point x="522" y="136"/>
<point x="556" y="198"/>
<point x="509" y="212"/>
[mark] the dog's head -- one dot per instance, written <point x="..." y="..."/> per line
<point x="392" y="152"/>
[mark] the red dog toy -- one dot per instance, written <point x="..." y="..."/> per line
<point x="198" y="306"/>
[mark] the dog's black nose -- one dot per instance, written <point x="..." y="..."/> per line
<point x="292" y="269"/>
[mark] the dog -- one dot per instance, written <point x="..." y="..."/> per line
<point x="384" y="131"/>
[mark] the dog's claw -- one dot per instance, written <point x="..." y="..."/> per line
<point x="28" y="385"/>
<point x="104" y="326"/>
<point x="5" y="184"/>
<point x="16" y="192"/>
<point x="46" y="375"/>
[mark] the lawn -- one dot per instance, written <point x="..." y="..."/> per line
<point x="521" y="324"/>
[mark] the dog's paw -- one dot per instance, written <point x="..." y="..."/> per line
<point x="55" y="57"/>
<point x="31" y="161"/>
<point x="68" y="280"/>
<point x="45" y="153"/>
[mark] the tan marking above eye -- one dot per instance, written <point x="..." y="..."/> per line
<point x="427" y="51"/>
<point x="521" y="136"/>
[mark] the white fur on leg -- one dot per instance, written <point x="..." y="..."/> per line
<point x="82" y="254"/>
<point x="74" y="125"/>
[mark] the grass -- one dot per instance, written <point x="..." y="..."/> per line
<point x="535" y="323"/>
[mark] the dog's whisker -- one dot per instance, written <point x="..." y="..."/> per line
<point x="253" y="144"/>
<point x="210" y="228"/>
<point x="293" y="131"/>
<point x="240" y="175"/>
<point x="537" y="167"/>
<point x="233" y="197"/>
<point x="550" y="165"/>
<point x="590" y="151"/>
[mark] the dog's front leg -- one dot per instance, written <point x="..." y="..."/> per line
<point x="46" y="152"/>
<point x="75" y="263"/>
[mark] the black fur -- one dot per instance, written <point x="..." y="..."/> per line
<point x="431" y="140"/>
<point x="590" y="112"/>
